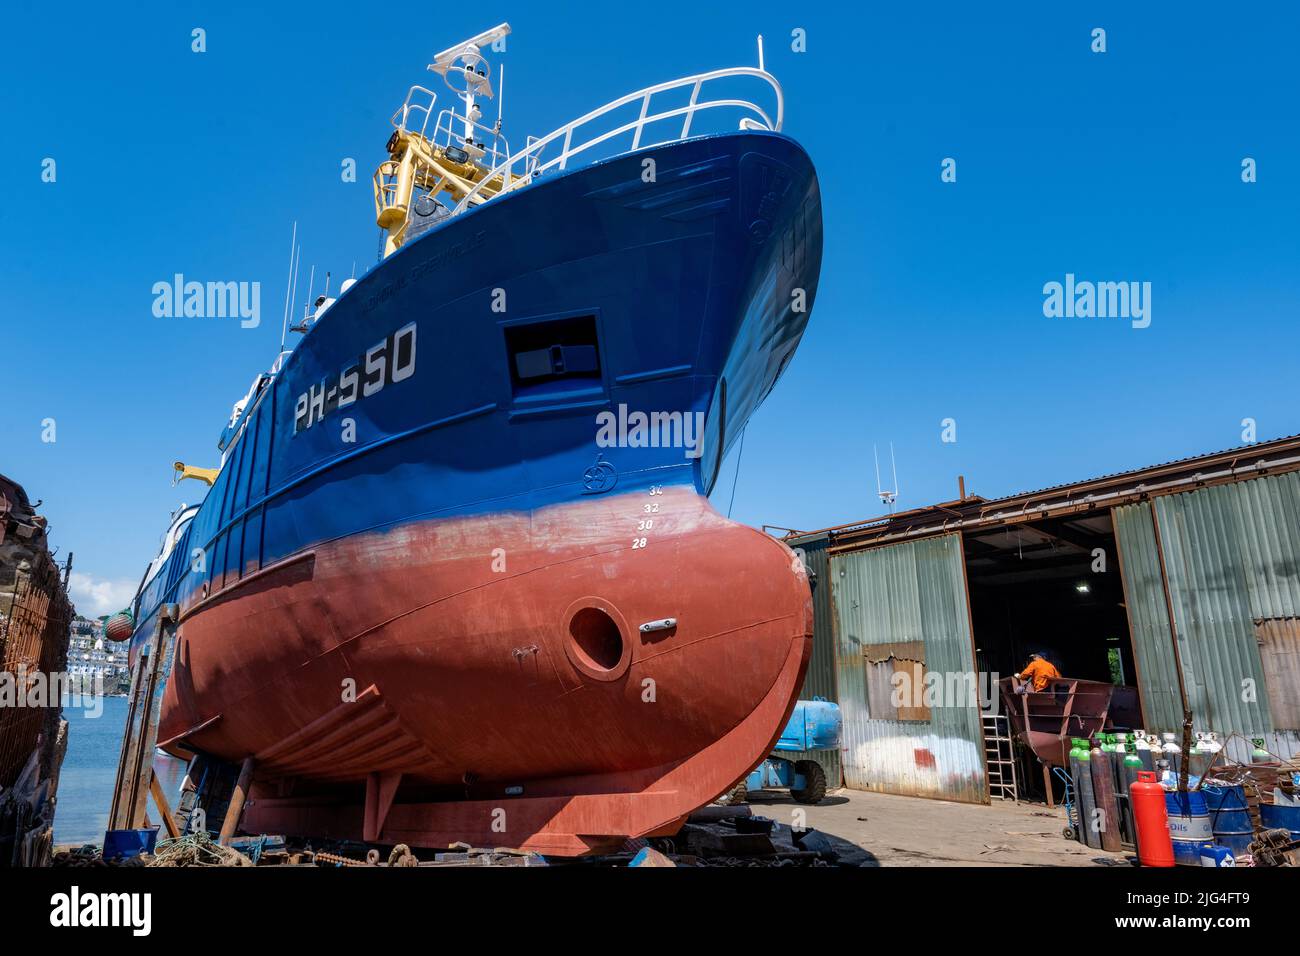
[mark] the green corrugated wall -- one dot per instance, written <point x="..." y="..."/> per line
<point x="914" y="591"/>
<point x="819" y="680"/>
<point x="1232" y="554"/>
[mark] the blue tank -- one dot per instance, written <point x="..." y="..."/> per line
<point x="1274" y="817"/>
<point x="814" y="725"/>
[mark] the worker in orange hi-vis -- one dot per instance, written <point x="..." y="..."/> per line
<point x="1036" y="674"/>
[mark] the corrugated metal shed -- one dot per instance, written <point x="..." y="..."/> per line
<point x="1232" y="555"/>
<point x="898" y="595"/>
<point x="819" y="681"/>
<point x="1148" y="617"/>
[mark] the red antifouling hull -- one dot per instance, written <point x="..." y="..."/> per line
<point x="488" y="679"/>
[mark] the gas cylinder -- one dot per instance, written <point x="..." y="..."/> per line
<point x="1103" y="794"/>
<point x="1210" y="747"/>
<point x="1173" y="752"/>
<point x="1117" y="753"/>
<point x="1086" y="802"/>
<point x="1144" y="751"/>
<point x="1155" y="846"/>
<point x="1200" y="755"/>
<point x="1132" y="767"/>
<point x="1074" y="782"/>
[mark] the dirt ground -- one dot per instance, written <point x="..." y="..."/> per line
<point x="890" y="830"/>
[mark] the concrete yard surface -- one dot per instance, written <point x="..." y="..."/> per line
<point x="893" y="830"/>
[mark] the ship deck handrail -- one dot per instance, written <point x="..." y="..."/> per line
<point x="408" y="107"/>
<point x="530" y="156"/>
<point x="443" y="131"/>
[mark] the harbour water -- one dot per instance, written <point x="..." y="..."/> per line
<point x="90" y="768"/>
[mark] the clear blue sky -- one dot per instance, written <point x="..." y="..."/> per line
<point x="1117" y="166"/>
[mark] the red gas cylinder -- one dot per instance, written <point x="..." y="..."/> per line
<point x="1155" y="846"/>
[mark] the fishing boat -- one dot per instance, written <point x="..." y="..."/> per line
<point x="458" y="577"/>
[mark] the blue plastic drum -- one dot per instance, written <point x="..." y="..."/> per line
<point x="1274" y="817"/>
<point x="1229" y="817"/>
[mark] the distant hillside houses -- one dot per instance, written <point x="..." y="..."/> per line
<point x="90" y="656"/>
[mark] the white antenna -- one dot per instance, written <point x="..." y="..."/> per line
<point x="501" y="94"/>
<point x="501" y="104"/>
<point x="760" y="51"/>
<point x="288" y="286"/>
<point x="297" y="269"/>
<point x="886" y="496"/>
<point x="893" y="464"/>
<point x="306" y="306"/>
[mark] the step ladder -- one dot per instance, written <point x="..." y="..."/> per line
<point x="1000" y="757"/>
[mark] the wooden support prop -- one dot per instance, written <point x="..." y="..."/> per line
<point x="189" y="798"/>
<point x="135" y="761"/>
<point x="1047" y="785"/>
<point x="160" y="801"/>
<point x="237" y="798"/>
<point x="118" y="814"/>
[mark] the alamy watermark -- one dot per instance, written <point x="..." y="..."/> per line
<point x="208" y="300"/>
<point x="624" y="429"/>
<point x="133" y="911"/>
<point x="1100" y="300"/>
<point x="938" y="689"/>
<point x="28" y="688"/>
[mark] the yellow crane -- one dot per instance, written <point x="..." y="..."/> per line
<point x="205" y="475"/>
<point x="450" y="160"/>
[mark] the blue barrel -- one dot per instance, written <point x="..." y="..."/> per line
<point x="1274" y="817"/>
<point x="1229" y="817"/>
<point x="1189" y="826"/>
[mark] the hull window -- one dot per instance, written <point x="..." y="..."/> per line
<point x="555" y="356"/>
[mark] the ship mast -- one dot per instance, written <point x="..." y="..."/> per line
<point x="441" y="161"/>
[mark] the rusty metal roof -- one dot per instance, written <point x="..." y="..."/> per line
<point x="1288" y="440"/>
<point x="1232" y="464"/>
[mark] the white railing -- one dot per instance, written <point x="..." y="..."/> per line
<point x="407" y="108"/>
<point x="445" y="134"/>
<point x="444" y="128"/>
<point x="506" y="176"/>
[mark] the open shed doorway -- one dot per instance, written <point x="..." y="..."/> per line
<point x="1051" y="587"/>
